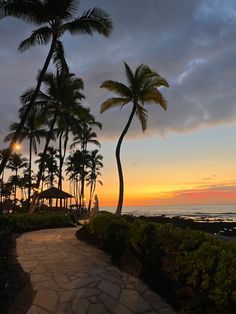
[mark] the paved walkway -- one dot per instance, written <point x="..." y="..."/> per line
<point x="69" y="276"/>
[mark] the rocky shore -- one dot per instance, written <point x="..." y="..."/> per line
<point x="218" y="227"/>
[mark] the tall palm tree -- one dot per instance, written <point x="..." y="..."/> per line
<point x="60" y="100"/>
<point x="95" y="164"/>
<point x="142" y="88"/>
<point x="16" y="162"/>
<point x="31" y="132"/>
<point x="54" y="18"/>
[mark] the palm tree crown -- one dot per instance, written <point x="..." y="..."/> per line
<point x="142" y="88"/>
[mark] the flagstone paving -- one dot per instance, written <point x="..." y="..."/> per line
<point x="69" y="276"/>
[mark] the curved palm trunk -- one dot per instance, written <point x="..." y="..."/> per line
<point x="119" y="166"/>
<point x="41" y="167"/>
<point x="30" y="164"/>
<point x="29" y="107"/>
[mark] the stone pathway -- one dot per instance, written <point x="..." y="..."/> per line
<point x="69" y="276"/>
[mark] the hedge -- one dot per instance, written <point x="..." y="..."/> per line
<point x="191" y="269"/>
<point x="19" y="223"/>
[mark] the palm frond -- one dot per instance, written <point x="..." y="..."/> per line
<point x="39" y="36"/>
<point x="59" y="58"/>
<point x="129" y="73"/>
<point x="27" y="95"/>
<point x="156" y="81"/>
<point x="142" y="115"/>
<point x="156" y="97"/>
<point x="113" y="102"/>
<point x="117" y="87"/>
<point x="93" y="20"/>
<point x="30" y="11"/>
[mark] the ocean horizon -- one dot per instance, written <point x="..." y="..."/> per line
<point x="196" y="212"/>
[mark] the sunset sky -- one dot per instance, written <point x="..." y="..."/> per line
<point x="188" y="154"/>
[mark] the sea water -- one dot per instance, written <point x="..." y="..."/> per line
<point x="198" y="212"/>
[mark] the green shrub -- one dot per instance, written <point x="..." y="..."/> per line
<point x="101" y="223"/>
<point x="136" y="231"/>
<point x="116" y="238"/>
<point x="24" y="222"/>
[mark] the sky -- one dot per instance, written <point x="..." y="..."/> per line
<point x="187" y="155"/>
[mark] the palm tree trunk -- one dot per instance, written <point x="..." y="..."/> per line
<point x="41" y="167"/>
<point x="84" y="149"/>
<point x="30" y="163"/>
<point x="90" y="197"/>
<point x="119" y="166"/>
<point x="29" y="106"/>
<point x="64" y="152"/>
<point x="15" y="191"/>
<point x="60" y="162"/>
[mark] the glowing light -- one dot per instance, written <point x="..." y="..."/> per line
<point x="17" y="146"/>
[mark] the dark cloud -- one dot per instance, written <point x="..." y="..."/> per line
<point x="191" y="43"/>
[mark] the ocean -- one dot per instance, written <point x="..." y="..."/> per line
<point x="198" y="212"/>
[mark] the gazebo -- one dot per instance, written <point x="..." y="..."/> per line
<point x="54" y="193"/>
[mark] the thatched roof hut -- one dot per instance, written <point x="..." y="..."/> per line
<point x="54" y="193"/>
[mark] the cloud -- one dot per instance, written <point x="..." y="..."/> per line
<point x="208" y="194"/>
<point x="191" y="43"/>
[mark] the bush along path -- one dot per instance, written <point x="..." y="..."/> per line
<point x="69" y="276"/>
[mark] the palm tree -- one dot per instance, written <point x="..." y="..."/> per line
<point x="16" y="162"/>
<point x="95" y="164"/>
<point x="74" y="168"/>
<point x="61" y="100"/>
<point x="142" y="88"/>
<point x="32" y="132"/>
<point x="54" y="18"/>
<point x="50" y="165"/>
<point x="85" y="137"/>
<point x="77" y="163"/>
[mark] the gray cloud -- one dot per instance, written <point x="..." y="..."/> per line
<point x="191" y="43"/>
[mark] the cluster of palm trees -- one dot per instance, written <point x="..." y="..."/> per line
<point x="81" y="165"/>
<point x="53" y="108"/>
<point x="56" y="99"/>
